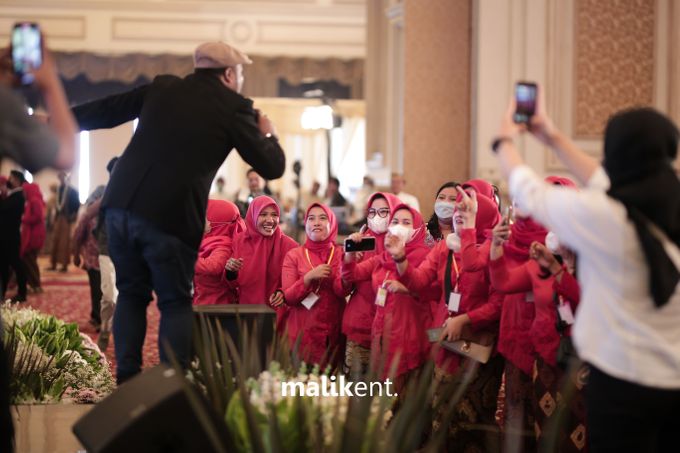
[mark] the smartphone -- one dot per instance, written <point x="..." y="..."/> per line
<point x="509" y="217"/>
<point x="525" y="98"/>
<point x="366" y="244"/>
<point x="26" y="50"/>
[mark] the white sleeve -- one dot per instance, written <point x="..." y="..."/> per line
<point x="599" y="180"/>
<point x="582" y="219"/>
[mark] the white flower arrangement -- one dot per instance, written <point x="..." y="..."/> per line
<point x="72" y="364"/>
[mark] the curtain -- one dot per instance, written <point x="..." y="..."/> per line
<point x="261" y="77"/>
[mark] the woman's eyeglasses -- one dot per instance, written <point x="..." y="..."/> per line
<point x="382" y="213"/>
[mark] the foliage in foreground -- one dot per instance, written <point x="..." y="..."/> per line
<point x="51" y="361"/>
<point x="260" y="420"/>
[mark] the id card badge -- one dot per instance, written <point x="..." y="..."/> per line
<point x="380" y="297"/>
<point x="564" y="309"/>
<point x="454" y="302"/>
<point x="310" y="300"/>
<point x="530" y="297"/>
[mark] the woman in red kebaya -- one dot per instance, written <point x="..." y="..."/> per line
<point x="360" y="310"/>
<point x="223" y="222"/>
<point x="32" y="234"/>
<point x="402" y="317"/>
<point x="465" y="294"/>
<point x="314" y="291"/>
<point x="555" y="297"/>
<point x="254" y="269"/>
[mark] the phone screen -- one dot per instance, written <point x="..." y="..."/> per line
<point x="26" y="50"/>
<point x="525" y="97"/>
<point x="366" y="244"/>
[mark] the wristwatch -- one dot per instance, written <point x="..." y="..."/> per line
<point x="497" y="143"/>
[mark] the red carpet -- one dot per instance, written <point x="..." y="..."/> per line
<point x="67" y="296"/>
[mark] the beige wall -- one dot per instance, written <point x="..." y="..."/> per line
<point x="314" y="28"/>
<point x="591" y="57"/>
<point x="436" y="95"/>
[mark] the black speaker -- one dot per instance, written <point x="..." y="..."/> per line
<point x="154" y="412"/>
<point x="234" y="317"/>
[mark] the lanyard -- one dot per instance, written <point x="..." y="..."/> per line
<point x="450" y="262"/>
<point x="330" y="258"/>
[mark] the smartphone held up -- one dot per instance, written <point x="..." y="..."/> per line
<point x="26" y="50"/>
<point x="367" y="244"/>
<point x="525" y="100"/>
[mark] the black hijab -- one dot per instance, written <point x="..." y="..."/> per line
<point x="639" y="148"/>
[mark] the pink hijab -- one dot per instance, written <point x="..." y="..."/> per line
<point x="417" y="242"/>
<point x="262" y="255"/>
<point x="225" y="223"/>
<point x="322" y="248"/>
<point x="392" y="202"/>
<point x="487" y="216"/>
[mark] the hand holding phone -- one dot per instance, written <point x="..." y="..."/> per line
<point x="27" y="50"/>
<point x="366" y="244"/>
<point x="525" y="102"/>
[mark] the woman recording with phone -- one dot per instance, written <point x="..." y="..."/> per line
<point x="402" y="316"/>
<point x="360" y="310"/>
<point x="624" y="226"/>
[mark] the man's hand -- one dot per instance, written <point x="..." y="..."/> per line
<point x="265" y="124"/>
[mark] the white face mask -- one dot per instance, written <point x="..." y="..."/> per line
<point x="453" y="242"/>
<point x="444" y="209"/>
<point x="552" y="242"/>
<point x="402" y="232"/>
<point x="378" y="224"/>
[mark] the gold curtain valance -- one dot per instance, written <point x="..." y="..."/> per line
<point x="261" y="77"/>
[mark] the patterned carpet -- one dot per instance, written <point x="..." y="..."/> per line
<point x="67" y="296"/>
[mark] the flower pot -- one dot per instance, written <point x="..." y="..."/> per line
<point x="47" y="428"/>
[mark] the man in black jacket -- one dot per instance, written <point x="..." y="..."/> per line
<point x="155" y="202"/>
<point x="11" y="211"/>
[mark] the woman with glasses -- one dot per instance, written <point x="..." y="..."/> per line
<point x="360" y="310"/>
<point x="221" y="224"/>
<point x="398" y="338"/>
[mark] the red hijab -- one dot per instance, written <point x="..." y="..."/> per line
<point x="262" y="255"/>
<point x="225" y="223"/>
<point x="392" y="202"/>
<point x="417" y="242"/>
<point x="487" y="217"/>
<point x="322" y="248"/>
<point x="482" y="188"/>
<point x="33" y="194"/>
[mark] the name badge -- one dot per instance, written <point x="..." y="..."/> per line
<point x="454" y="302"/>
<point x="564" y="309"/>
<point x="380" y="297"/>
<point x="530" y="296"/>
<point x="310" y="300"/>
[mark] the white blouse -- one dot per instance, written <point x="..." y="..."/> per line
<point x="618" y="328"/>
